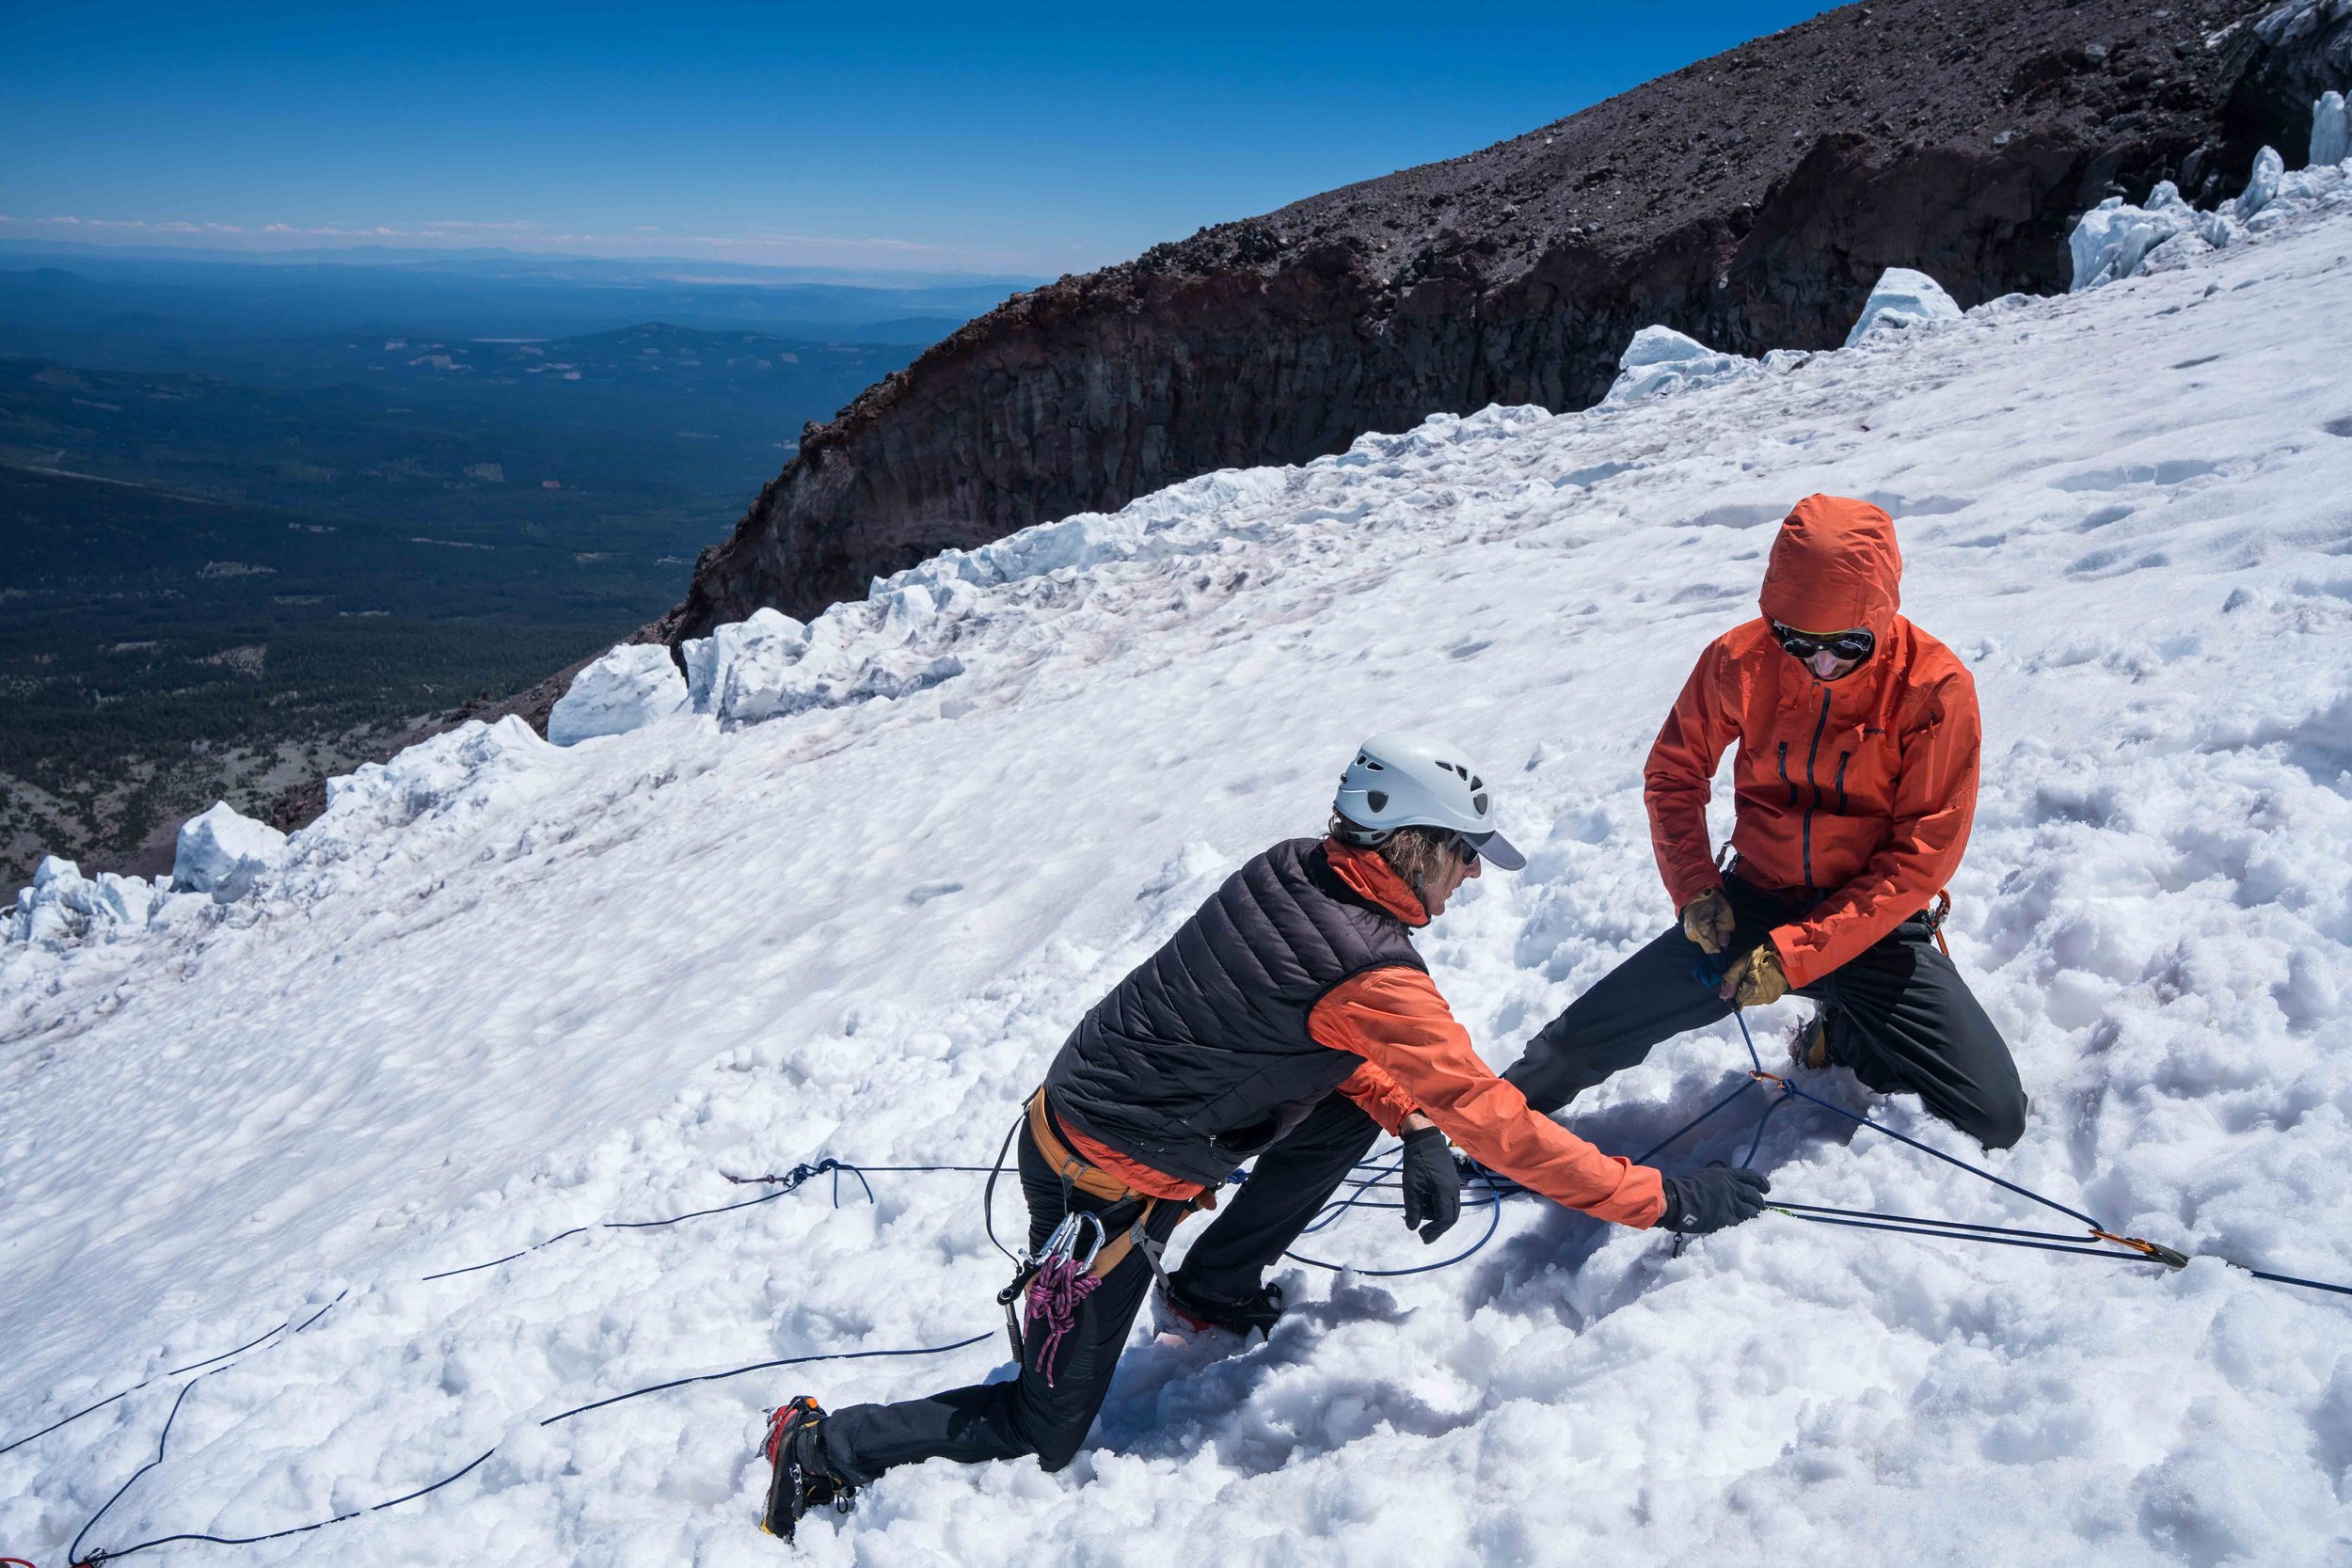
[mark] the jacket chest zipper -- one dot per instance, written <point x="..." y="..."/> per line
<point x="1843" y="758"/>
<point x="1784" y="773"/>
<point x="1811" y="752"/>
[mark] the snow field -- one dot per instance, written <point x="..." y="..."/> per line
<point x="504" y="989"/>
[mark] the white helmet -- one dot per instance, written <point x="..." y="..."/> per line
<point x="1410" y="780"/>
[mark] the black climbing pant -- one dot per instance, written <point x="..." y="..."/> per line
<point x="1255" y="1223"/>
<point x="1030" y="1415"/>
<point x="1897" y="1014"/>
<point x="1290" y="1183"/>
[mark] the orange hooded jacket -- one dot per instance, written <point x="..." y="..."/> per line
<point x="1417" y="1057"/>
<point x="1861" y="789"/>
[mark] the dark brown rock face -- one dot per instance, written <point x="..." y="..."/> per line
<point x="1749" y="201"/>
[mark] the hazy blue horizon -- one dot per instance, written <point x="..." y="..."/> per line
<point x="935" y="140"/>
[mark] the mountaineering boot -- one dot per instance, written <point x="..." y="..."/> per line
<point x="1809" y="1046"/>
<point x="1257" y="1312"/>
<point x="796" y="1481"/>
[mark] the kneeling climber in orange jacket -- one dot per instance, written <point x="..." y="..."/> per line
<point x="1289" y="1021"/>
<point x="1854" y="787"/>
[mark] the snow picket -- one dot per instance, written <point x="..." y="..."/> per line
<point x="502" y="989"/>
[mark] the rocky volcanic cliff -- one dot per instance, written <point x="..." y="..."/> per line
<point x="1749" y="201"/>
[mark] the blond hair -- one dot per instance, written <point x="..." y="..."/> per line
<point x="1415" y="853"/>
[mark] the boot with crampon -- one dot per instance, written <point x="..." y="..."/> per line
<point x="1177" y="1309"/>
<point x="796" y="1481"/>
<point x="1809" y="1046"/>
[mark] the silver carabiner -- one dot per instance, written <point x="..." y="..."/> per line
<point x="1064" y="1243"/>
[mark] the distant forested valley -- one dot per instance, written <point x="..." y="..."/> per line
<point x="260" y="520"/>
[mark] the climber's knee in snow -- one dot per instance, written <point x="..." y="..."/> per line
<point x="2003" y="1121"/>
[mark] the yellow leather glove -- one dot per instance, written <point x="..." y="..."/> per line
<point x="1755" y="980"/>
<point x="1707" y="920"/>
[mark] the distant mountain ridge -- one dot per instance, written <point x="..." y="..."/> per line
<point x="1750" y="200"/>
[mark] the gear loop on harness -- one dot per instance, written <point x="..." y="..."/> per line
<point x="1938" y="913"/>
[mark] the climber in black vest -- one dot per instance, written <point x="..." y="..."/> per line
<point x="1289" y="1021"/>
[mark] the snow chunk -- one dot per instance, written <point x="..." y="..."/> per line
<point x="1903" y="300"/>
<point x="2261" y="186"/>
<point x="2114" y="238"/>
<point x="626" y="690"/>
<point x="770" y="665"/>
<point x="222" y="853"/>
<point x="2331" y="130"/>
<point x="1661" y="361"/>
<point x="449" y="780"/>
<point x="62" y="906"/>
<point x="1073" y="544"/>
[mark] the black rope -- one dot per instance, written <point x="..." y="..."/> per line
<point x="88" y="1410"/>
<point x="1859" y="1120"/>
<point x="73" y="1553"/>
<point x="324" y="1310"/>
<point x="224" y="1355"/>
<point x="762" y="1367"/>
<point x="1988" y="1236"/>
<point x="1738" y="1089"/>
<point x="1801" y="1209"/>
<point x="987" y="1194"/>
<point x="788" y="1183"/>
<point x="1494" y="1222"/>
<point x="2290" y="1280"/>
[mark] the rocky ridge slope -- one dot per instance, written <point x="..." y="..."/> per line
<point x="1750" y="200"/>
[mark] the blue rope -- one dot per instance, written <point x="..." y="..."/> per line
<point x="1494" y="1222"/>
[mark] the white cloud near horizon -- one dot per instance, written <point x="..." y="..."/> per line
<point x="531" y="234"/>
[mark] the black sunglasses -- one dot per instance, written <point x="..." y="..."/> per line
<point x="1805" y="645"/>
<point x="1466" y="847"/>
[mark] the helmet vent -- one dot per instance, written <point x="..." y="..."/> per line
<point x="1377" y="799"/>
<point x="1478" y="783"/>
<point x="1478" y="805"/>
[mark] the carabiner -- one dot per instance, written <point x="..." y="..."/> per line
<point x="1064" y="1243"/>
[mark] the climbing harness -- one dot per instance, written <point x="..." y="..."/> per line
<point x="1056" y="1281"/>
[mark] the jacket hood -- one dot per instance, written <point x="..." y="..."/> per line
<point x="1835" y="566"/>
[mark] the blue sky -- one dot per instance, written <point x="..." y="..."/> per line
<point x="969" y="137"/>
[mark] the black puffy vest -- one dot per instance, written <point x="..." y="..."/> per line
<point x="1201" y="1058"/>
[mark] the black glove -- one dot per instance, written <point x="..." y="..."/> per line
<point x="1712" y="1200"/>
<point x="1433" y="1184"/>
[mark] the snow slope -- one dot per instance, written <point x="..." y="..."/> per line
<point x="504" y="989"/>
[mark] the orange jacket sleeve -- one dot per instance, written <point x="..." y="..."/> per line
<point x="1681" y="774"/>
<point x="1935" y="804"/>
<point x="1397" y="1022"/>
<point x="1379" y="1095"/>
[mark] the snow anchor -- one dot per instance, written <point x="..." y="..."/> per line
<point x="2139" y="1249"/>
